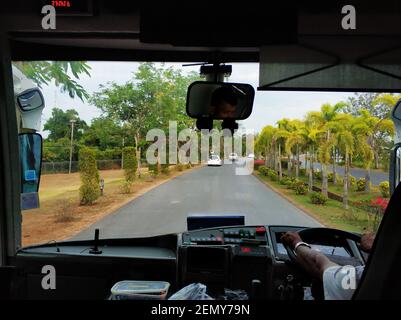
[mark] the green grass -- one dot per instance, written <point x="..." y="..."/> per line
<point x="331" y="214"/>
<point x="353" y="195"/>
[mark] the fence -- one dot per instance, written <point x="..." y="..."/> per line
<point x="63" y="166"/>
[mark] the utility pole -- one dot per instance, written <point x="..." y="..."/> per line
<point x="72" y="122"/>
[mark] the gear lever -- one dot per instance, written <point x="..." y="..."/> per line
<point x="95" y="249"/>
<point x="256" y="290"/>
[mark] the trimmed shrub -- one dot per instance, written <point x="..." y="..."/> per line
<point x="360" y="184"/>
<point x="300" y="188"/>
<point x="165" y="168"/>
<point x="153" y="169"/>
<point x="89" y="190"/>
<point x="264" y="170"/>
<point x="317" y="175"/>
<point x="385" y="189"/>
<point x="293" y="183"/>
<point x="130" y="164"/>
<point x="273" y="175"/>
<point x="318" y="198"/>
<point x="285" y="181"/>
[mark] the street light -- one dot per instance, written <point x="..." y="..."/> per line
<point x="72" y="122"/>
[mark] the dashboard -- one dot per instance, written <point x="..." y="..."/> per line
<point x="247" y="258"/>
<point x="253" y="259"/>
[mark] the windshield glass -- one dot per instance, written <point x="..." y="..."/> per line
<point x="120" y="154"/>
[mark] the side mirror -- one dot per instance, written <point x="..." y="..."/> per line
<point x="30" y="106"/>
<point x="395" y="167"/>
<point x="220" y="100"/>
<point x="30" y="100"/>
<point x="30" y="151"/>
<point x="395" y="156"/>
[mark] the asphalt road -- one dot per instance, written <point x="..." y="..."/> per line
<point x="375" y="176"/>
<point x="208" y="190"/>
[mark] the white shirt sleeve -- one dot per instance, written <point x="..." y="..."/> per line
<point x="340" y="282"/>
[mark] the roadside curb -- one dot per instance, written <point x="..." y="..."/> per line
<point x="294" y="203"/>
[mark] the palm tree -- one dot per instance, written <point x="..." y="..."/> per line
<point x="294" y="138"/>
<point x="369" y="129"/>
<point x="345" y="142"/>
<point x="325" y="120"/>
<point x="280" y="137"/>
<point x="311" y="137"/>
<point x="264" y="143"/>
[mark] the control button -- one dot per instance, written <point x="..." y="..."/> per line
<point x="260" y="230"/>
<point x="246" y="249"/>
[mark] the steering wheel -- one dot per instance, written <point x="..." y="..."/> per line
<point x="321" y="233"/>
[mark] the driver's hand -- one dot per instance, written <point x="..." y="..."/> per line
<point x="290" y="239"/>
<point x="367" y="241"/>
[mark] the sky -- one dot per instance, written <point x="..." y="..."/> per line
<point x="269" y="106"/>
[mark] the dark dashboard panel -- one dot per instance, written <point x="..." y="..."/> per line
<point x="230" y="257"/>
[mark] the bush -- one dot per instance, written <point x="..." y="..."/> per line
<point x="317" y="175"/>
<point x="126" y="187"/>
<point x="285" y="181"/>
<point x="264" y="170"/>
<point x="273" y="175"/>
<point x="361" y="184"/>
<point x="293" y="183"/>
<point x="302" y="172"/>
<point x="352" y="181"/>
<point x="90" y="189"/>
<point x="385" y="189"/>
<point x="165" y="169"/>
<point x="154" y="169"/>
<point x="300" y="188"/>
<point x="179" y="167"/>
<point x="130" y="164"/>
<point x="188" y="166"/>
<point x="318" y="198"/>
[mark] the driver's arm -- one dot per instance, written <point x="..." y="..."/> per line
<point x="312" y="261"/>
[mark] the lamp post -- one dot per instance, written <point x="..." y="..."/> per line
<point x="72" y="122"/>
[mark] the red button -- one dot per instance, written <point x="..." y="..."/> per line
<point x="260" y="229"/>
<point x="245" y="249"/>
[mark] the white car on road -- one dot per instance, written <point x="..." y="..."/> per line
<point x="233" y="157"/>
<point x="214" y="160"/>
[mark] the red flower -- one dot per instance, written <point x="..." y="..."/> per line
<point x="380" y="203"/>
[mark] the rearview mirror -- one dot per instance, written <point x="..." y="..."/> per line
<point x="220" y="100"/>
<point x="30" y="151"/>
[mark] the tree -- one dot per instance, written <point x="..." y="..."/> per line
<point x="295" y="138"/>
<point x="369" y="130"/>
<point x="44" y="72"/>
<point x="327" y="119"/>
<point x="89" y="190"/>
<point x="311" y="136"/>
<point x="152" y="98"/>
<point x="59" y="124"/>
<point x="345" y="142"/>
<point x="106" y="134"/>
